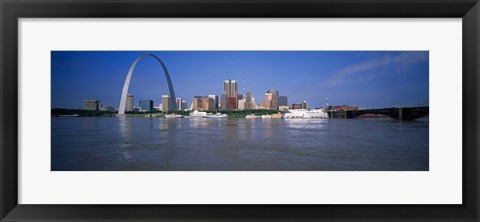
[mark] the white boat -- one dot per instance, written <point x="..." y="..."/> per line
<point x="217" y="115"/>
<point x="266" y="116"/>
<point x="251" y="116"/>
<point x="305" y="114"/>
<point x="197" y="114"/>
<point x="173" y="116"/>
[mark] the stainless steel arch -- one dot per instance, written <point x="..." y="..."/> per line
<point x="123" y="99"/>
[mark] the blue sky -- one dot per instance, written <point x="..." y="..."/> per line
<point x="369" y="79"/>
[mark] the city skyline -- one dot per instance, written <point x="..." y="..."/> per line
<point x="362" y="78"/>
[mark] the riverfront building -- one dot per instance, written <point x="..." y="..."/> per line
<point x="283" y="108"/>
<point x="296" y="106"/>
<point x="302" y="105"/>
<point x="271" y="99"/>
<point x="178" y="101"/>
<point x="91" y="104"/>
<point x="282" y="101"/>
<point x="203" y="103"/>
<point x="215" y="101"/>
<point x="184" y="105"/>
<point x="166" y="106"/>
<point x="146" y="105"/>
<point x="241" y="104"/>
<point x="129" y="103"/>
<point x="230" y="94"/>
<point x="106" y="108"/>
<point x="249" y="101"/>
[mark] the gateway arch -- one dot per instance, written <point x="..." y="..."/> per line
<point x="123" y="99"/>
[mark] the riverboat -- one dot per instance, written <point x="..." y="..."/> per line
<point x="217" y="115"/>
<point x="305" y="114"/>
<point x="171" y="116"/>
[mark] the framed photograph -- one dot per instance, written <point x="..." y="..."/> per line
<point x="226" y="110"/>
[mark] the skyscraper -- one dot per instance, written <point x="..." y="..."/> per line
<point x="184" y="105"/>
<point x="271" y="99"/>
<point x="282" y="101"/>
<point x="224" y="101"/>
<point x="197" y="103"/>
<point x="230" y="88"/>
<point x="166" y="103"/>
<point x="91" y="104"/>
<point x="248" y="101"/>
<point x="179" y="103"/>
<point x="146" y="105"/>
<point x="241" y="104"/>
<point x="129" y="103"/>
<point x="304" y="105"/>
<point x="215" y="101"/>
<point x="203" y="103"/>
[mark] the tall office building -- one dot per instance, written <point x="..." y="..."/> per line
<point x="166" y="103"/>
<point x="271" y="99"/>
<point x="203" y="103"/>
<point x="215" y="101"/>
<point x="230" y="88"/>
<point x="241" y="104"/>
<point x="208" y="103"/>
<point x="178" y="101"/>
<point x="248" y="101"/>
<point x="184" y="105"/>
<point x="224" y="102"/>
<point x="129" y="104"/>
<point x="146" y="105"/>
<point x="197" y="103"/>
<point x="304" y="105"/>
<point x="282" y="101"/>
<point x="91" y="104"/>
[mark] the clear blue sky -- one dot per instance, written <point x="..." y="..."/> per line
<point x="368" y="79"/>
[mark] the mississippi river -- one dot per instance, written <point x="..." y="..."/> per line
<point x="146" y="144"/>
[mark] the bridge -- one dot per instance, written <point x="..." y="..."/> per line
<point x="399" y="113"/>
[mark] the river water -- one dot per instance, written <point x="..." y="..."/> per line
<point x="145" y="144"/>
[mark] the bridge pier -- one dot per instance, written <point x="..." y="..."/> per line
<point x="338" y="114"/>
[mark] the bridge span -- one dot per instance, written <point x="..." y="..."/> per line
<point x="399" y="113"/>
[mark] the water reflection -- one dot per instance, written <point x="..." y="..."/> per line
<point x="238" y="144"/>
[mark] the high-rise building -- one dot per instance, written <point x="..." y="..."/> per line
<point x="178" y="101"/>
<point x="215" y="101"/>
<point x="271" y="99"/>
<point x="166" y="106"/>
<point x="146" y="105"/>
<point x="248" y="101"/>
<point x="230" y="88"/>
<point x="129" y="104"/>
<point x="203" y="103"/>
<point x="224" y="103"/>
<point x="304" y="105"/>
<point x="197" y="103"/>
<point x="184" y="105"/>
<point x="91" y="104"/>
<point x="241" y="104"/>
<point x="208" y="103"/>
<point x="282" y="101"/>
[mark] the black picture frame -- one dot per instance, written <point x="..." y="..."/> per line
<point x="10" y="11"/>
